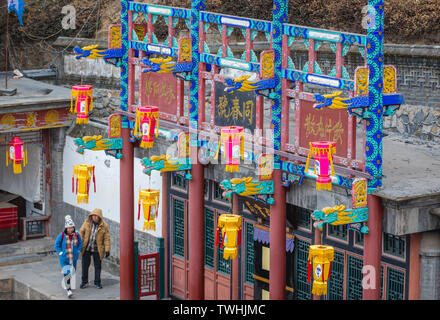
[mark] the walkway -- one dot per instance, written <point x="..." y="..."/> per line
<point x="29" y="270"/>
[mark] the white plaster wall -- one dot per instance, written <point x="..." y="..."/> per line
<point x="107" y="184"/>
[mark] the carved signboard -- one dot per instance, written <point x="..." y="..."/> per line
<point x="325" y="125"/>
<point x="114" y="126"/>
<point x="159" y="89"/>
<point x="234" y="109"/>
<point x="114" y="34"/>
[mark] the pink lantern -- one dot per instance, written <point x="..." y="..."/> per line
<point x="233" y="147"/>
<point x="83" y="95"/>
<point x="16" y="154"/>
<point x="147" y="124"/>
<point x="322" y="152"/>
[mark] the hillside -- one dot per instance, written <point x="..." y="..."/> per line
<point x="406" y="21"/>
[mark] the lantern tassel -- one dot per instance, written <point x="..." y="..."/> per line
<point x="324" y="186"/>
<point x="239" y="238"/>
<point x="139" y="209"/>
<point x="7" y="158"/>
<point x="319" y="288"/>
<point x="217" y="237"/>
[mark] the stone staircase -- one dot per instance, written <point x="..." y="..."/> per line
<point x="21" y="252"/>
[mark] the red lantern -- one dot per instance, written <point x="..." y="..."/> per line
<point x="17" y="154"/>
<point x="147" y="124"/>
<point x="83" y="96"/>
<point x="323" y="153"/>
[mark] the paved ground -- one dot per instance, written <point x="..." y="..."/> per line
<point x="42" y="279"/>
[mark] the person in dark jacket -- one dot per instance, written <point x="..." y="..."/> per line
<point x="68" y="246"/>
<point x="96" y="237"/>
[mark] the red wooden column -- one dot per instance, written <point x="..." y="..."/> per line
<point x="126" y="253"/>
<point x="196" y="231"/>
<point x="277" y="273"/>
<point x="165" y="200"/>
<point x="414" y="267"/>
<point x="235" y="262"/>
<point x="373" y="246"/>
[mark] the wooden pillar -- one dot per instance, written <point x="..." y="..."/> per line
<point x="165" y="208"/>
<point x="414" y="267"/>
<point x="126" y="219"/>
<point x="277" y="273"/>
<point x="236" y="261"/>
<point x="373" y="248"/>
<point x="196" y="234"/>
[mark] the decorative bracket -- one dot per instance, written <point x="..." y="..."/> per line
<point x="262" y="190"/>
<point x="163" y="163"/>
<point x="359" y="104"/>
<point x="112" y="56"/>
<point x="111" y="147"/>
<point x="264" y="86"/>
<point x="339" y="215"/>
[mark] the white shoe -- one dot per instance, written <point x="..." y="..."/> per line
<point x="69" y="293"/>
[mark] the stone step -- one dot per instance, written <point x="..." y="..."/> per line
<point x="28" y="247"/>
<point x="20" y="259"/>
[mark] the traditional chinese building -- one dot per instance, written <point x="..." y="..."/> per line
<point x="377" y="208"/>
<point x="30" y="121"/>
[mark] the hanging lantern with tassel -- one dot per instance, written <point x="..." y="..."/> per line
<point x="83" y="96"/>
<point x="230" y="225"/>
<point x="149" y="199"/>
<point x="147" y="125"/>
<point x="233" y="147"/>
<point x="84" y="174"/>
<point x="323" y="153"/>
<point x="17" y="154"/>
<point x="320" y="257"/>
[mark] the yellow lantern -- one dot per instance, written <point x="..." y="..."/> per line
<point x="84" y="174"/>
<point x="83" y="95"/>
<point x="147" y="124"/>
<point x="233" y="147"/>
<point x="321" y="257"/>
<point x="231" y="234"/>
<point x="149" y="199"/>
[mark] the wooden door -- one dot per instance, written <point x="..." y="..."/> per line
<point x="217" y="270"/>
<point x="179" y="248"/>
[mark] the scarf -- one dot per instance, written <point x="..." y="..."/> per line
<point x="71" y="241"/>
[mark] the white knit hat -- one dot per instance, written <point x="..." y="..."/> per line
<point x="68" y="222"/>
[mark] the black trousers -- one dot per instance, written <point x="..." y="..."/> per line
<point x="86" y="258"/>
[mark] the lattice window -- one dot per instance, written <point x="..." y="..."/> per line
<point x="302" y="287"/>
<point x="395" y="284"/>
<point x="339" y="232"/>
<point x="303" y="217"/>
<point x="223" y="265"/>
<point x="206" y="188"/>
<point x="249" y="264"/>
<point x="178" y="182"/>
<point x="354" y="278"/>
<point x="336" y="281"/>
<point x="359" y="238"/>
<point x="394" y="245"/>
<point x="209" y="238"/>
<point x="381" y="282"/>
<point x="218" y="193"/>
<point x="178" y="227"/>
